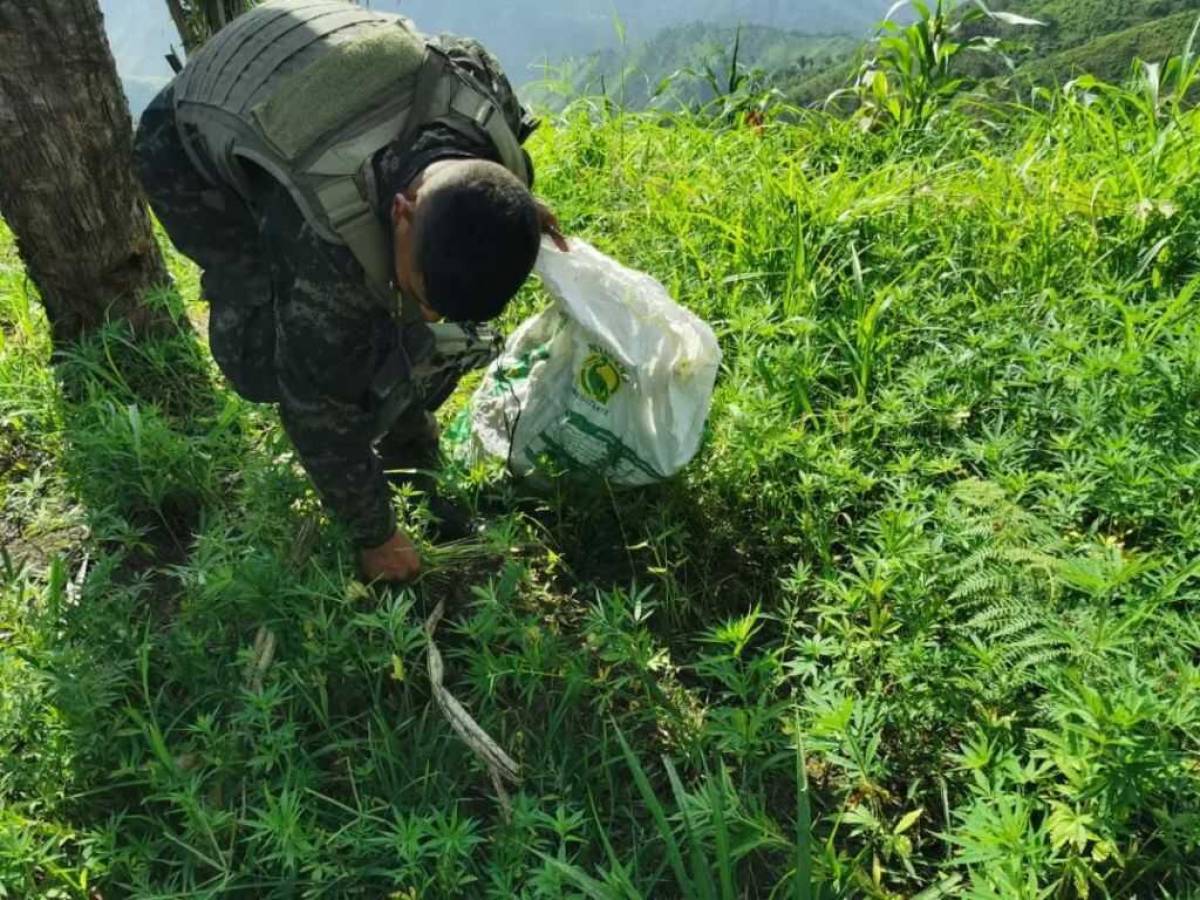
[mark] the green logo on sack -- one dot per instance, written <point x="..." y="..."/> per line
<point x="600" y="376"/>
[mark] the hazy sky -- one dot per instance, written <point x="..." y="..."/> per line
<point x="522" y="33"/>
<point x="140" y="32"/>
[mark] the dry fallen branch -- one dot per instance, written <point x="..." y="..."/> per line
<point x="264" y="655"/>
<point x="500" y="765"/>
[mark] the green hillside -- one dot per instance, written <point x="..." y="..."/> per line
<point x="812" y="89"/>
<point x="1109" y="57"/>
<point x="1073" y="23"/>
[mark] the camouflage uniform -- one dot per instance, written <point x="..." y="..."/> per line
<point x="291" y="322"/>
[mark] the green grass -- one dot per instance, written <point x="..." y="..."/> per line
<point x="920" y="620"/>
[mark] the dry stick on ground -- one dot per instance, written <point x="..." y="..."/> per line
<point x="264" y="655"/>
<point x="500" y="765"/>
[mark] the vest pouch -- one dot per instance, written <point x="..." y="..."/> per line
<point x="348" y="84"/>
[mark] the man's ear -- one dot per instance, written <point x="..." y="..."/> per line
<point x="402" y="209"/>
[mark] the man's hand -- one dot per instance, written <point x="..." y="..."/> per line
<point x="397" y="560"/>
<point x="549" y="222"/>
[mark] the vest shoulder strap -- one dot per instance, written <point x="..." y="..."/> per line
<point x="352" y="217"/>
<point x="476" y="106"/>
<point x="441" y="92"/>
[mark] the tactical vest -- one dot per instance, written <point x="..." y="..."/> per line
<point x="309" y="91"/>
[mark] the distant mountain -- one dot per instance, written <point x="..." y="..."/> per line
<point x="675" y="66"/>
<point x="525" y="34"/>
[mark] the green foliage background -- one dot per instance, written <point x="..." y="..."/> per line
<point x="1077" y="37"/>
<point x="920" y="620"/>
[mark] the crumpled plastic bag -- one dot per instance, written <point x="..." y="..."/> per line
<point x="613" y="379"/>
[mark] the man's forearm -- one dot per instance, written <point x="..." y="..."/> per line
<point x="329" y="338"/>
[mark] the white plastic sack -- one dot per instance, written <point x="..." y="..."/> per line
<point x="614" y="378"/>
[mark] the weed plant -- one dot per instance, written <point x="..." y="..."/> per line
<point x="919" y="621"/>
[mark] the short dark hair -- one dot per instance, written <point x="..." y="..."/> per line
<point x="476" y="239"/>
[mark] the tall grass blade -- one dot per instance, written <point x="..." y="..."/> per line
<point x="804" y="873"/>
<point x="701" y="870"/>
<point x="733" y="61"/>
<point x="594" y="889"/>
<point x="721" y="832"/>
<point x="674" y="857"/>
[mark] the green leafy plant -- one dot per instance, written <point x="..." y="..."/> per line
<point x="911" y="71"/>
<point x="918" y="621"/>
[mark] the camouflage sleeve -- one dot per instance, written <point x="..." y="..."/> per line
<point x="475" y="58"/>
<point x="329" y="339"/>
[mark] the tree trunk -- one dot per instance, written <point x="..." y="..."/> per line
<point x="66" y="179"/>
<point x="180" y="17"/>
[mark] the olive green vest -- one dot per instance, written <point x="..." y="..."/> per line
<point x="309" y="91"/>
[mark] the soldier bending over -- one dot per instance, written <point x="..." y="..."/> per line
<point x="358" y="198"/>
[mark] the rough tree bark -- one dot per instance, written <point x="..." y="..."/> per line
<point x="66" y="180"/>
<point x="180" y="17"/>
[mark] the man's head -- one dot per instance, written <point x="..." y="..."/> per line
<point x="466" y="236"/>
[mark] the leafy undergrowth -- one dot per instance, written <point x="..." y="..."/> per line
<point x="919" y="620"/>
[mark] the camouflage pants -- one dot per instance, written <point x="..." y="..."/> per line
<point x="213" y="227"/>
<point x="411" y="439"/>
